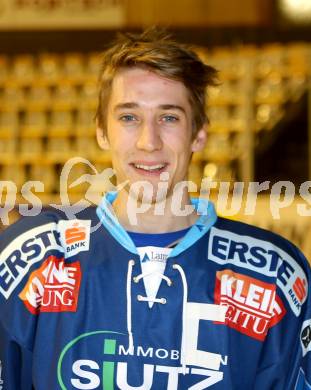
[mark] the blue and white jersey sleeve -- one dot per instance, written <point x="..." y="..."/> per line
<point x="23" y="248"/>
<point x="286" y="357"/>
<point x="303" y="356"/>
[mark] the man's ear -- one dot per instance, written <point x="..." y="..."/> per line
<point x="199" y="141"/>
<point x="102" y="139"/>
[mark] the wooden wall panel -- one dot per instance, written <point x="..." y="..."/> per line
<point x="192" y="13"/>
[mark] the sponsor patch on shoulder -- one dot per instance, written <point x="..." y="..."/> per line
<point x="305" y="337"/>
<point x="244" y="251"/>
<point x="293" y="282"/>
<point x="262" y="257"/>
<point x="54" y="287"/>
<point x="74" y="236"/>
<point x="25" y="250"/>
<point x="253" y="306"/>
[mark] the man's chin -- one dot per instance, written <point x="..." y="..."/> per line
<point x="146" y="193"/>
<point x="143" y="196"/>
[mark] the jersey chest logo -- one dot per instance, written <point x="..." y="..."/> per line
<point x="54" y="287"/>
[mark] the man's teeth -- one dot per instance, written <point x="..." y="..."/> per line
<point x="149" y="167"/>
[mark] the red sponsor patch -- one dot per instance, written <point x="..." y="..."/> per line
<point x="253" y="306"/>
<point x="75" y="234"/>
<point x="300" y="289"/>
<point x="54" y="287"/>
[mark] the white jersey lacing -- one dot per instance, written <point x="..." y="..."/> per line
<point x="162" y="301"/>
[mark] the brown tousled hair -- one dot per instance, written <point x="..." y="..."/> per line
<point x="154" y="49"/>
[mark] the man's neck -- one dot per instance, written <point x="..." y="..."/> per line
<point x="150" y="221"/>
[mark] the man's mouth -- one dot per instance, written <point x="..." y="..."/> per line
<point x="150" y="168"/>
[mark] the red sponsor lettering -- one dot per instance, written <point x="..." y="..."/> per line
<point x="253" y="306"/>
<point x="54" y="287"/>
<point x="299" y="288"/>
<point x="75" y="234"/>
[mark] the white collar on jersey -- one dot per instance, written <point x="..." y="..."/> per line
<point x="204" y="208"/>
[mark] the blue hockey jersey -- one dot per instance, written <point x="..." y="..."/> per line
<point x="232" y="310"/>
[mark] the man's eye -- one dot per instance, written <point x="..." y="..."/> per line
<point x="170" y="118"/>
<point x="127" y="118"/>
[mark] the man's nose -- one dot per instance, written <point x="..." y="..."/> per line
<point x="149" y="138"/>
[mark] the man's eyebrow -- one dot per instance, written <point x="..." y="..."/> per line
<point x="172" y="107"/>
<point x="121" y="106"/>
<point x="129" y="105"/>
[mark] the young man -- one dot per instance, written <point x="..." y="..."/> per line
<point x="168" y="299"/>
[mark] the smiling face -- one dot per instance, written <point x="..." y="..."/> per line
<point x="149" y="128"/>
